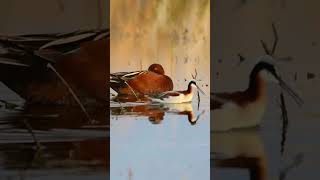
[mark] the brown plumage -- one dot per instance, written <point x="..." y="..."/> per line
<point x="81" y="62"/>
<point x="152" y="81"/>
<point x="255" y="91"/>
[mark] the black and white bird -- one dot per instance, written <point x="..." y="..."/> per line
<point x="177" y="96"/>
<point x="246" y="108"/>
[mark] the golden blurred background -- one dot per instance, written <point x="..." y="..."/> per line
<point x="175" y="34"/>
<point x="52" y="16"/>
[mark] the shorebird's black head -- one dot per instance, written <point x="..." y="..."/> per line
<point x="157" y="68"/>
<point x="193" y="84"/>
<point x="267" y="70"/>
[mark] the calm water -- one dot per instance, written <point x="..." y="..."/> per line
<point x="156" y="142"/>
<point x="69" y="145"/>
<point x="153" y="142"/>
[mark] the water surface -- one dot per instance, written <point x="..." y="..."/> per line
<point x="38" y="142"/>
<point x="160" y="141"/>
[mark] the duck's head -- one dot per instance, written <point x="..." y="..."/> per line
<point x="157" y="68"/>
<point x="267" y="70"/>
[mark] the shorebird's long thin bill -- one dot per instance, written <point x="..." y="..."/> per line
<point x="293" y="94"/>
<point x="200" y="90"/>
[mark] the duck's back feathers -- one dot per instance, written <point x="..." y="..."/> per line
<point x="76" y="56"/>
<point x="141" y="82"/>
<point x="151" y="83"/>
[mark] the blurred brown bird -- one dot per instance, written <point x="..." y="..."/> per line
<point x="80" y="58"/>
<point x="140" y="83"/>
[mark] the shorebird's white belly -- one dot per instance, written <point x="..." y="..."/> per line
<point x="232" y="116"/>
<point x="175" y="99"/>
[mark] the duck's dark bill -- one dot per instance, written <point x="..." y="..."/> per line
<point x="293" y="94"/>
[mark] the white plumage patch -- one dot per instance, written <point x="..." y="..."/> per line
<point x="268" y="77"/>
<point x="231" y="116"/>
<point x="174" y="96"/>
<point x="181" y="98"/>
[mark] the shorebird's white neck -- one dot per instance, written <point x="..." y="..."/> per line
<point x="192" y="88"/>
<point x="268" y="77"/>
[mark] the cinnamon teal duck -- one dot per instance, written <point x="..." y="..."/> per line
<point x="136" y="84"/>
<point x="37" y="67"/>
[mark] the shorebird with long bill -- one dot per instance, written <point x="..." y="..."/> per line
<point x="246" y="108"/>
<point x="177" y="96"/>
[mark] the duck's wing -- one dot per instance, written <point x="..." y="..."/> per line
<point x="119" y="79"/>
<point x="12" y="62"/>
<point x="12" y="54"/>
<point x="69" y="43"/>
<point x="48" y="47"/>
<point x="75" y="38"/>
<point x="125" y="76"/>
<point x="24" y="58"/>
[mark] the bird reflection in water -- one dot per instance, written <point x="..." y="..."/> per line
<point x="157" y="112"/>
<point x="63" y="139"/>
<point x="242" y="149"/>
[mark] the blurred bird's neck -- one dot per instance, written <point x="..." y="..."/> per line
<point x="257" y="87"/>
